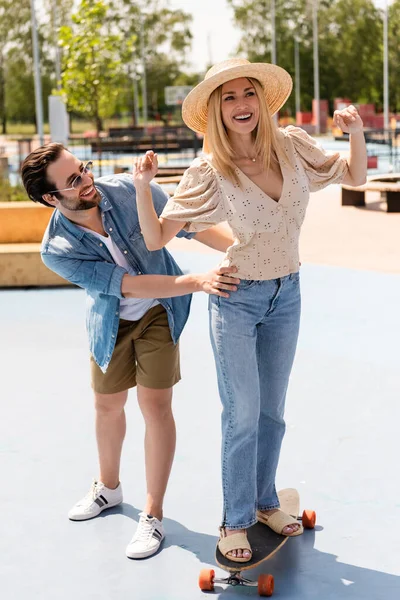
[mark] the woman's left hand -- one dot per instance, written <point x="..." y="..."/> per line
<point x="145" y="168"/>
<point x="348" y="120"/>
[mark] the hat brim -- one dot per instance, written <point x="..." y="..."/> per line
<point x="276" y="82"/>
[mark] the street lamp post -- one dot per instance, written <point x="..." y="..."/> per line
<point x="144" y="82"/>
<point x="273" y="43"/>
<point x="297" y="74"/>
<point x="385" y="68"/>
<point x="273" y="33"/>
<point x="36" y="73"/>
<point x="316" y="65"/>
<point x="135" y="94"/>
<point x="57" y="49"/>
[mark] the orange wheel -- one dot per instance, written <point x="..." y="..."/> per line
<point x="309" y="519"/>
<point x="265" y="585"/>
<point x="206" y="580"/>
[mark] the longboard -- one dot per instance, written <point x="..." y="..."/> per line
<point x="264" y="543"/>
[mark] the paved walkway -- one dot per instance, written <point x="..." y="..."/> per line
<point x="340" y="451"/>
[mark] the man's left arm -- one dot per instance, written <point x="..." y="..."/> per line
<point x="218" y="237"/>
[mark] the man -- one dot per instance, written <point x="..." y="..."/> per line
<point x="138" y="304"/>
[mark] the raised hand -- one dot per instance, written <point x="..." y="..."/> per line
<point x="348" y="120"/>
<point x="145" y="168"/>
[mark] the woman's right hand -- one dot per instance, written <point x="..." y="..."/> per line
<point x="145" y="168"/>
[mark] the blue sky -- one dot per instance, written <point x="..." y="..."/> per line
<point x="212" y="20"/>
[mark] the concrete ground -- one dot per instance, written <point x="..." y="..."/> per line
<point x="341" y="449"/>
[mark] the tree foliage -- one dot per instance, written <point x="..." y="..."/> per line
<point x="92" y="67"/>
<point x="349" y="37"/>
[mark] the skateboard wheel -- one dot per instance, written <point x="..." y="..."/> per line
<point x="206" y="580"/>
<point x="265" y="585"/>
<point x="309" y="519"/>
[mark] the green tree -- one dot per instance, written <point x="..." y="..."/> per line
<point x="350" y="51"/>
<point x="292" y="20"/>
<point x="394" y="55"/>
<point x="92" y="66"/>
<point x="15" y="19"/>
<point x="165" y="36"/>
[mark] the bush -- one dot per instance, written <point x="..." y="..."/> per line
<point x="11" y="193"/>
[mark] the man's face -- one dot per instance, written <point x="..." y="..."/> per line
<point x="62" y="174"/>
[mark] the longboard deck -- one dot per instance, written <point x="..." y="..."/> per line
<point x="263" y="541"/>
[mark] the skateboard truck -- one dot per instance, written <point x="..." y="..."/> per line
<point x="236" y="579"/>
<point x="207" y="580"/>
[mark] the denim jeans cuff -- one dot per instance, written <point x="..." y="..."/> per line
<point x="269" y="507"/>
<point x="241" y="526"/>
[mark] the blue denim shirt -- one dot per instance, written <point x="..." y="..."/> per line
<point x="83" y="259"/>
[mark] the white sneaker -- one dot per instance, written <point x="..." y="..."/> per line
<point x="96" y="500"/>
<point x="147" y="539"/>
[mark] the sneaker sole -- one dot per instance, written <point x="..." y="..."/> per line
<point x="146" y="554"/>
<point x="88" y="517"/>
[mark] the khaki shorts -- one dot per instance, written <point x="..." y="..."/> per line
<point x="144" y="353"/>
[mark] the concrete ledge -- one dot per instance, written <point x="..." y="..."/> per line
<point x="23" y="222"/>
<point x="21" y="266"/>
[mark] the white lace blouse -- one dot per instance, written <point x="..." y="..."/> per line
<point x="266" y="231"/>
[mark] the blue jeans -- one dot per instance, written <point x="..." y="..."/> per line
<point x="254" y="336"/>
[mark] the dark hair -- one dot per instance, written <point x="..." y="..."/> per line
<point x="33" y="171"/>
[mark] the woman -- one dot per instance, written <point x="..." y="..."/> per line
<point x="257" y="178"/>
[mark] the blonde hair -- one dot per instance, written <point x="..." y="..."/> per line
<point x="216" y="140"/>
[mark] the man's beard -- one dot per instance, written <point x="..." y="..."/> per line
<point x="80" y="204"/>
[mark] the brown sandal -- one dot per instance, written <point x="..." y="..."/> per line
<point x="278" y="521"/>
<point x="236" y="541"/>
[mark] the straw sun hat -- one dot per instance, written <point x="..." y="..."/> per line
<point x="276" y="82"/>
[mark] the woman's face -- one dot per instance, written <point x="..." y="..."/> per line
<point x="240" y="107"/>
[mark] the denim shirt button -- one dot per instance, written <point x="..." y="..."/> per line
<point x="110" y="229"/>
<point x="125" y="251"/>
<point x="112" y="335"/>
<point x="101" y="243"/>
<point x="139" y="272"/>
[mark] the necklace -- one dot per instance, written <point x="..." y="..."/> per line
<point x="248" y="158"/>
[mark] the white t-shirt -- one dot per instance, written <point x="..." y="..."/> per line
<point x="131" y="309"/>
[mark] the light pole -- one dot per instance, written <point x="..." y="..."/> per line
<point x="385" y="68"/>
<point x="273" y="33"/>
<point x="297" y="74"/>
<point x="316" y="65"/>
<point x="36" y="74"/>
<point x="144" y="82"/>
<point x="135" y="95"/>
<point x="273" y="43"/>
<point x="57" y="49"/>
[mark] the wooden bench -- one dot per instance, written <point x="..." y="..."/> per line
<point x="387" y="185"/>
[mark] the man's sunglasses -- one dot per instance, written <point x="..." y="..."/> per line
<point x="77" y="182"/>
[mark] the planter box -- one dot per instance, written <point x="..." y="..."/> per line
<point x="22" y="225"/>
<point x="21" y="266"/>
<point x="23" y="222"/>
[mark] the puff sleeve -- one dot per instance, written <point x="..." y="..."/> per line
<point x="322" y="168"/>
<point x="198" y="199"/>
